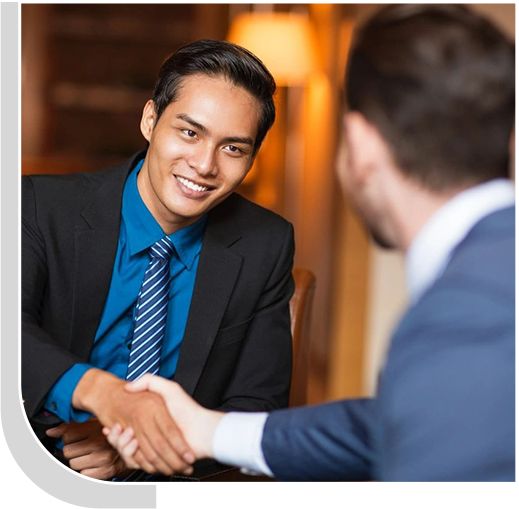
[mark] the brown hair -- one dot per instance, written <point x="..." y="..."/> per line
<point x="438" y="81"/>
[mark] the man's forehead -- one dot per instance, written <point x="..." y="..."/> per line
<point x="214" y="105"/>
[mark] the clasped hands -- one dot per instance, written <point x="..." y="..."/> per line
<point x="150" y="424"/>
<point x="196" y="423"/>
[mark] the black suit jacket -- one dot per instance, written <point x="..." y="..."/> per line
<point x="236" y="351"/>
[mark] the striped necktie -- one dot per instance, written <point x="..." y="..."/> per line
<point x="151" y="313"/>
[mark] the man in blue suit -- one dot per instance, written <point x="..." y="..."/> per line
<point x="430" y="96"/>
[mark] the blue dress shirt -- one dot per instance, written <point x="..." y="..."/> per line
<point x="111" y="350"/>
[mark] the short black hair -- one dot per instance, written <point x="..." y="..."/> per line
<point x="438" y="81"/>
<point x="218" y="59"/>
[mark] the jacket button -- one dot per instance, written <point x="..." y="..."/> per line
<point x="54" y="406"/>
<point x="129" y="346"/>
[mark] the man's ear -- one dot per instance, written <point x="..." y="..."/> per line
<point x="148" y="120"/>
<point x="366" y="147"/>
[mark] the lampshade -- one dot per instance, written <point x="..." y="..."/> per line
<point x="283" y="42"/>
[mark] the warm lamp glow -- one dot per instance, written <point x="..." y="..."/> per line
<point x="282" y="41"/>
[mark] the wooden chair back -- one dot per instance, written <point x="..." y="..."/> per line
<point x="300" y="311"/>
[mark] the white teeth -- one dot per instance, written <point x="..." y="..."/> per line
<point x="192" y="185"/>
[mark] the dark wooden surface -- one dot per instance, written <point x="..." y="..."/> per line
<point x="211" y="471"/>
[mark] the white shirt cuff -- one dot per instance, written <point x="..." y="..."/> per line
<point x="237" y="442"/>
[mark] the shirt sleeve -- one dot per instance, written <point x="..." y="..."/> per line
<point x="237" y="442"/>
<point x="59" y="399"/>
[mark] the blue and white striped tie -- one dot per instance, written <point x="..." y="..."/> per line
<point x="151" y="313"/>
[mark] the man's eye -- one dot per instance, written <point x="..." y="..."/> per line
<point x="189" y="133"/>
<point x="232" y="148"/>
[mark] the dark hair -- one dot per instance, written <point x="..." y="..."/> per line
<point x="438" y="81"/>
<point x="218" y="58"/>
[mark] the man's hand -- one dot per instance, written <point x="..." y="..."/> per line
<point x="162" y="447"/>
<point x="196" y="422"/>
<point x="88" y="451"/>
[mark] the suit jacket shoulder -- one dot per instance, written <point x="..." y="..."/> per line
<point x="67" y="196"/>
<point x="478" y="281"/>
<point x="244" y="216"/>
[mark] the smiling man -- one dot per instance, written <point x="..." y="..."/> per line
<point x="157" y="266"/>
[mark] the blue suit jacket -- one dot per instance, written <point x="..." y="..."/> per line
<point x="445" y="408"/>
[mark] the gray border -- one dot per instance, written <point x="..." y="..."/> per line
<point x="30" y="456"/>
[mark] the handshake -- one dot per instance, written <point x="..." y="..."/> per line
<point x="151" y="424"/>
<point x="196" y="424"/>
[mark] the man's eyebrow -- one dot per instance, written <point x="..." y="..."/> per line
<point x="194" y="123"/>
<point x="238" y="139"/>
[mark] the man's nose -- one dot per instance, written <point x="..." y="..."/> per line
<point x="203" y="160"/>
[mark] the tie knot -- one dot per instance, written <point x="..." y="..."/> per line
<point x="163" y="248"/>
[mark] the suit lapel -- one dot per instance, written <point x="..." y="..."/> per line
<point x="95" y="247"/>
<point x="218" y="270"/>
<point x="94" y="256"/>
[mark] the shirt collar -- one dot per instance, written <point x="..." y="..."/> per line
<point x="432" y="248"/>
<point x="142" y="230"/>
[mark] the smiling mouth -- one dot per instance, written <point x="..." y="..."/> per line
<point x="193" y="185"/>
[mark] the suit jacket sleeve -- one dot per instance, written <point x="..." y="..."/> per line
<point x="261" y="378"/>
<point x="330" y="442"/>
<point x="43" y="359"/>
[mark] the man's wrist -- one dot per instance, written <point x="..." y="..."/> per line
<point x="211" y="419"/>
<point x="92" y="388"/>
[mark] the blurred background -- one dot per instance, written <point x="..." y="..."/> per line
<point x="88" y="70"/>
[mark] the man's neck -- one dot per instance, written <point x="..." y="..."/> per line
<point x="413" y="206"/>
